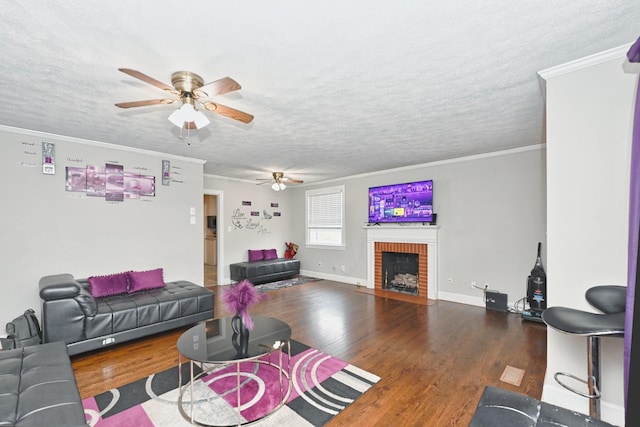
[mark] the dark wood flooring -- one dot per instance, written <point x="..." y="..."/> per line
<point x="434" y="360"/>
<point x="210" y="275"/>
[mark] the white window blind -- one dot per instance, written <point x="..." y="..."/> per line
<point x="325" y="216"/>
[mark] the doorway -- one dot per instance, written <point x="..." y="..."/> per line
<point x="210" y="239"/>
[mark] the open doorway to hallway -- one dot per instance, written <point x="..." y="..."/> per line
<point x="210" y="240"/>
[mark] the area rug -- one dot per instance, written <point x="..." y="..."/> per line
<point x="322" y="386"/>
<point x="299" y="280"/>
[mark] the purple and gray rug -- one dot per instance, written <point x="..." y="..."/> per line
<point x="322" y="386"/>
<point x="287" y="283"/>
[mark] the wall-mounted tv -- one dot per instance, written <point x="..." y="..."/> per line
<point x="409" y="202"/>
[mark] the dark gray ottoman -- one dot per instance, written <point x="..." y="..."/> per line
<point x="498" y="407"/>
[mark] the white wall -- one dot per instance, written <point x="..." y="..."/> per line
<point x="589" y="123"/>
<point x="238" y="231"/>
<point x="47" y="230"/>
<point x="491" y="212"/>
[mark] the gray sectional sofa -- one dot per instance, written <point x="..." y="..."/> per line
<point x="70" y="313"/>
<point x="38" y="388"/>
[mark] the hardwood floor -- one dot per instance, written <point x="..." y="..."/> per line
<point x="210" y="275"/>
<point x="434" y="360"/>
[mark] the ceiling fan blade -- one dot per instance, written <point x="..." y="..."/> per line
<point x="292" y="181"/>
<point x="147" y="79"/>
<point x="228" y="112"/>
<point x="218" y="87"/>
<point x="144" y="103"/>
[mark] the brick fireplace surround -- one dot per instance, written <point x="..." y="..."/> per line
<point x="418" y="239"/>
<point x="409" y="248"/>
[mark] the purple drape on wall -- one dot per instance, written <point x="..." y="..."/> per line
<point x="634" y="225"/>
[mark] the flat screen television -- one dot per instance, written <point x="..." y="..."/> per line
<point x="409" y="202"/>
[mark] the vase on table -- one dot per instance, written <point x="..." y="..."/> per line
<point x="240" y="337"/>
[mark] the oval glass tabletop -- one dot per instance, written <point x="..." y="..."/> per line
<point x="215" y="341"/>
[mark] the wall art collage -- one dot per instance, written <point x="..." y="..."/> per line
<point x="255" y="220"/>
<point x="110" y="181"/>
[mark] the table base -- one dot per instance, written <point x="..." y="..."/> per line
<point x="284" y="375"/>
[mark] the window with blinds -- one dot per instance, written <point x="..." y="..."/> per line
<point x="325" y="217"/>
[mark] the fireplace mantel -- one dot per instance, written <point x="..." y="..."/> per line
<point x="424" y="234"/>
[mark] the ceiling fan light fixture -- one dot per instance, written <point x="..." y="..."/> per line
<point x="200" y="119"/>
<point x="277" y="186"/>
<point x="177" y="118"/>
<point x="187" y="113"/>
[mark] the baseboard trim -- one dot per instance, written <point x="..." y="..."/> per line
<point x="559" y="396"/>
<point x="334" y="277"/>
<point x="462" y="299"/>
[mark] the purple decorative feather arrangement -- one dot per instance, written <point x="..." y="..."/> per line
<point x="239" y="297"/>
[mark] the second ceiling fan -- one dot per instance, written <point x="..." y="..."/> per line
<point x="279" y="181"/>
<point x="190" y="89"/>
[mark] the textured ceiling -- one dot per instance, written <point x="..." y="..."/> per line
<point x="337" y="88"/>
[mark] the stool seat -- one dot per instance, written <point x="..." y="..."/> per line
<point x="608" y="299"/>
<point x="578" y="322"/>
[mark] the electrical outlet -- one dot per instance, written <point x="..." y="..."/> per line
<point x="343" y="268"/>
<point x="473" y="284"/>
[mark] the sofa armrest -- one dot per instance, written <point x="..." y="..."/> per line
<point x="58" y="286"/>
<point x="65" y="306"/>
<point x="64" y="286"/>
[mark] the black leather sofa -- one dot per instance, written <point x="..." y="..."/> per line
<point x="265" y="271"/>
<point x="38" y="388"/>
<point x="71" y="314"/>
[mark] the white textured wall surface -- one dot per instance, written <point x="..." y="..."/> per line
<point x="589" y="123"/>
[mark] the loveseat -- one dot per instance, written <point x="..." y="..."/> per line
<point x="38" y="388"/>
<point x="124" y="307"/>
<point x="265" y="268"/>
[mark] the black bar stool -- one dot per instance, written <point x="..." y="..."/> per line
<point x="593" y="326"/>
<point x="609" y="299"/>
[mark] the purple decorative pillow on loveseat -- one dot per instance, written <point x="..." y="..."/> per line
<point x="143" y="280"/>
<point x="270" y="254"/>
<point x="112" y="284"/>
<point x="256" y="255"/>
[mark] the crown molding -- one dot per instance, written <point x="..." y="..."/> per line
<point x="588" y="61"/>
<point x="45" y="135"/>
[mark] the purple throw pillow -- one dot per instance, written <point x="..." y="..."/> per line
<point x="143" y="280"/>
<point x="112" y="284"/>
<point x="256" y="255"/>
<point x="270" y="254"/>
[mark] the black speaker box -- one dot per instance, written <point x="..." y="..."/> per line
<point x="496" y="301"/>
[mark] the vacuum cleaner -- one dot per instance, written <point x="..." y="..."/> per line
<point x="536" y="290"/>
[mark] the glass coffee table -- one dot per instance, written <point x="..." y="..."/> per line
<point x="214" y="344"/>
